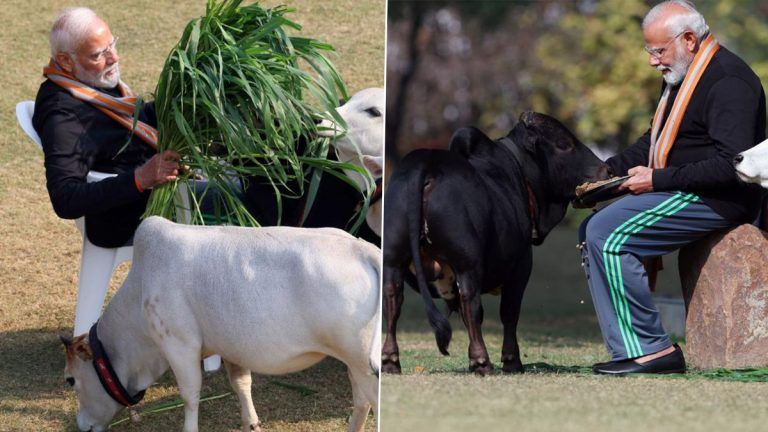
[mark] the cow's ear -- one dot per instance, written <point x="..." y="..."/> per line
<point x="81" y="348"/>
<point x="529" y="143"/>
<point x="523" y="137"/>
<point x="374" y="165"/>
<point x="466" y="141"/>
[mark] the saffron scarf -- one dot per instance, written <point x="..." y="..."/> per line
<point x="119" y="109"/>
<point x="664" y="132"/>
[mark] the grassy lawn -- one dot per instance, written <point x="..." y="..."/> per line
<point x="559" y="341"/>
<point x="40" y="253"/>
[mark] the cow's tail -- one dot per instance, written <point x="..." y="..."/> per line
<point x="440" y="325"/>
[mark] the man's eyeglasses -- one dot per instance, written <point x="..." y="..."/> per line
<point x="657" y="53"/>
<point x="101" y="55"/>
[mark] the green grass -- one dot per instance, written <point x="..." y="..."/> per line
<point x="39" y="253"/>
<point x="233" y="100"/>
<point x="559" y="341"/>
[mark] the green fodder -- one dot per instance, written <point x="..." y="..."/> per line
<point x="234" y="99"/>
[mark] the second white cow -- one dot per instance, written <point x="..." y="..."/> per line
<point x="363" y="144"/>
<point x="752" y="165"/>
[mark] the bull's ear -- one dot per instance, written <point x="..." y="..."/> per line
<point x="529" y="143"/>
<point x="81" y="348"/>
<point x="468" y="140"/>
<point x="522" y="137"/>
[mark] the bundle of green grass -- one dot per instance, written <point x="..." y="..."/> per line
<point x="236" y="97"/>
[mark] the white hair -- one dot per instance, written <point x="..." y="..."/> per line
<point x="70" y="28"/>
<point x="677" y="23"/>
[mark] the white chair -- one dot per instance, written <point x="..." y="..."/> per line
<point x="97" y="264"/>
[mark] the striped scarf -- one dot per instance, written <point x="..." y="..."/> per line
<point x="119" y="109"/>
<point x="664" y="133"/>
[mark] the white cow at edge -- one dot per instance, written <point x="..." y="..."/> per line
<point x="270" y="300"/>
<point x="752" y="165"/>
<point x="363" y="144"/>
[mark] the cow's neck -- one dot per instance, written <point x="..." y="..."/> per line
<point x="531" y="192"/>
<point x="123" y="333"/>
<point x="545" y="212"/>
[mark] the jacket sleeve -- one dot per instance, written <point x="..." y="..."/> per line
<point x="66" y="169"/>
<point x="632" y="156"/>
<point x="731" y="109"/>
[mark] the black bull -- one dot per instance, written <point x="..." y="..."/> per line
<point x="474" y="212"/>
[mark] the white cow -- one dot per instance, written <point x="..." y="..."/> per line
<point x="752" y="165"/>
<point x="363" y="144"/>
<point x="271" y="300"/>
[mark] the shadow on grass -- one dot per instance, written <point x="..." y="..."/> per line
<point x="32" y="364"/>
<point x="541" y="368"/>
<point x="739" y="375"/>
<point x="32" y="369"/>
<point x="32" y="387"/>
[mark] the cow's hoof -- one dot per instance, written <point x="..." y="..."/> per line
<point x="254" y="427"/>
<point x="391" y="367"/>
<point x="512" y="366"/>
<point x="481" y="367"/>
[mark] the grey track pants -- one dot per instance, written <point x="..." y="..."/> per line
<point x="618" y="237"/>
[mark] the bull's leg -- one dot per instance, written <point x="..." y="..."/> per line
<point x="471" y="309"/>
<point x="240" y="380"/>
<point x="393" y="303"/>
<point x="364" y="395"/>
<point x="509" y="310"/>
<point x="185" y="363"/>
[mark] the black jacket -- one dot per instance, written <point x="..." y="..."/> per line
<point x="77" y="138"/>
<point x="725" y="116"/>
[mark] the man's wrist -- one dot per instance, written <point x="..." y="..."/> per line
<point x="136" y="182"/>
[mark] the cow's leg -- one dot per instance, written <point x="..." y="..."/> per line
<point x="364" y="395"/>
<point x="240" y="380"/>
<point x="509" y="310"/>
<point x="185" y="363"/>
<point x="393" y="303"/>
<point x="471" y="309"/>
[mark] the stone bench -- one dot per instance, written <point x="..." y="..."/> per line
<point x="725" y="285"/>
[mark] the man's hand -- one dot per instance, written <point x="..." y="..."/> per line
<point x="640" y="182"/>
<point x="161" y="168"/>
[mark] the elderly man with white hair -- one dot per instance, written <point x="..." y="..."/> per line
<point x="84" y="116"/>
<point x="683" y="185"/>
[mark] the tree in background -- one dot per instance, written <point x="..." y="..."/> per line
<point x="453" y="64"/>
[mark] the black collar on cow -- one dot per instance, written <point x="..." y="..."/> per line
<point x="533" y="207"/>
<point x="107" y="375"/>
<point x="377" y="193"/>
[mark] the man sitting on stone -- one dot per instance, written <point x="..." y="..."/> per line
<point x="683" y="183"/>
<point x="84" y="116"/>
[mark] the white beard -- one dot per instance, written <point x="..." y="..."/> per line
<point x="678" y="68"/>
<point x="99" y="80"/>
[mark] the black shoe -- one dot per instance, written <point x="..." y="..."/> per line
<point x="673" y="362"/>
<point x="601" y="364"/>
